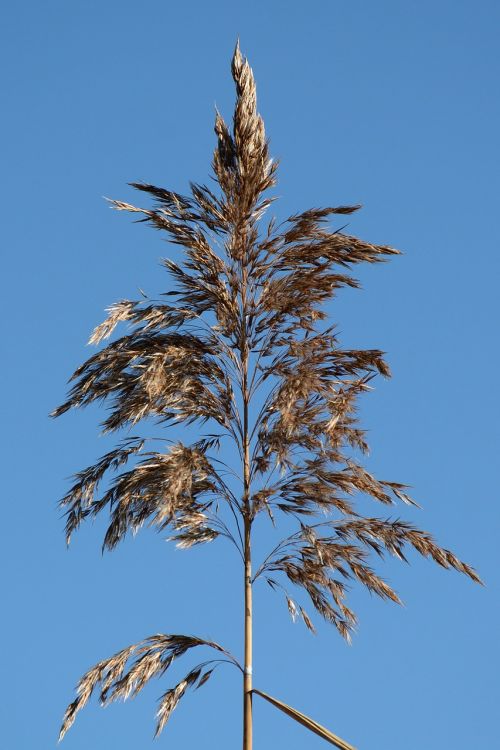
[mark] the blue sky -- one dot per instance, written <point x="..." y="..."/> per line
<point x="391" y="104"/>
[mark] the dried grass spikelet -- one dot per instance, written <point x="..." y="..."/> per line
<point x="175" y="488"/>
<point x="311" y="560"/>
<point x="126" y="673"/>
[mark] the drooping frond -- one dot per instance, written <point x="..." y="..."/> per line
<point x="127" y="672"/>
<point x="176" y="489"/>
<point x="167" y="376"/>
<point x="314" y="558"/>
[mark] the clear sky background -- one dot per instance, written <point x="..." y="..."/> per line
<point x="391" y="104"/>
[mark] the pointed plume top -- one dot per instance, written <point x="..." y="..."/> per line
<point x="249" y="133"/>
<point x="238" y="61"/>
<point x="245" y="114"/>
<point x="241" y="160"/>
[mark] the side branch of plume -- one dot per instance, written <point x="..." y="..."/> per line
<point x="127" y="672"/>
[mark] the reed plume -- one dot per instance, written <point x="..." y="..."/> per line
<point x="242" y="324"/>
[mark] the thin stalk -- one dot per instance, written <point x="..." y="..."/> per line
<point x="247" y="511"/>
<point x="247" y="675"/>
